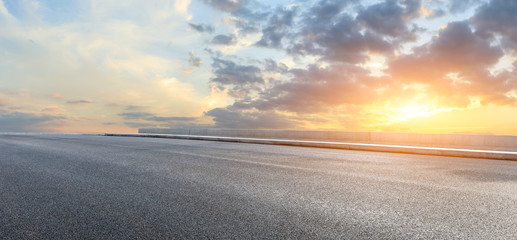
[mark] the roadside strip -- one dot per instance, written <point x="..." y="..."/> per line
<point x="451" y="152"/>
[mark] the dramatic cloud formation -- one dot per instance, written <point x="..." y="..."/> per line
<point x="451" y="70"/>
<point x="383" y="65"/>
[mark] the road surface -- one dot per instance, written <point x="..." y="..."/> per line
<point x="56" y="186"/>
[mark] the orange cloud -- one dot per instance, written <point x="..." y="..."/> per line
<point x="3" y="102"/>
<point x="425" y="12"/>
<point x="52" y="110"/>
<point x="56" y="95"/>
<point x="79" y="102"/>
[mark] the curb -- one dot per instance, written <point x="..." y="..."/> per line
<point x="449" y="152"/>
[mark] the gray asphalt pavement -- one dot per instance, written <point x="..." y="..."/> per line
<point x="56" y="186"/>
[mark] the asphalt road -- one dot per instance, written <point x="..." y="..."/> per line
<point x="74" y="186"/>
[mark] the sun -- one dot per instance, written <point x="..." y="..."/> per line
<point x="412" y="111"/>
<point x="407" y="112"/>
<point x="415" y="110"/>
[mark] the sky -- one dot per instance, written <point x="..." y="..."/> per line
<point x="94" y="66"/>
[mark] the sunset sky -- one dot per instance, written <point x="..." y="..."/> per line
<point x="96" y="66"/>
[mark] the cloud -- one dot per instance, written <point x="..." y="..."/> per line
<point x="226" y="118"/>
<point x="390" y="18"/>
<point x="28" y="122"/>
<point x="3" y="9"/>
<point x="194" y="60"/>
<point x="437" y="13"/>
<point x="335" y="36"/>
<point x="222" y="39"/>
<point x="498" y="17"/>
<point x="455" y="49"/>
<point x="244" y="26"/>
<point x="168" y="119"/>
<point x="146" y="119"/>
<point x="3" y="102"/>
<point x="315" y="89"/>
<point x="240" y="80"/>
<point x="202" y="27"/>
<point x="453" y="64"/>
<point x="460" y="6"/>
<point x="152" y="117"/>
<point x="136" y="115"/>
<point x="56" y="95"/>
<point x="225" y="5"/>
<point x="246" y="15"/>
<point x="79" y="102"/>
<point x="135" y="108"/>
<point x="52" y="110"/>
<point x="324" y="9"/>
<point x="275" y="67"/>
<point x="277" y="27"/>
<point x="181" y="5"/>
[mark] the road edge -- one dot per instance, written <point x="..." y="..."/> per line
<point x="435" y="151"/>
